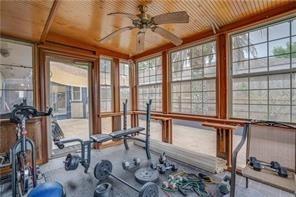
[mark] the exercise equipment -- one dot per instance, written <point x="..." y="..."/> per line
<point x="129" y="134"/>
<point x="224" y="186"/>
<point x="162" y="168"/>
<point x="167" y="167"/>
<point x="146" y="175"/>
<point x="103" y="190"/>
<point x="125" y="134"/>
<point x="103" y="170"/>
<point x="273" y="166"/>
<point x="127" y="165"/>
<point x="162" y="158"/>
<point x="72" y="162"/>
<point x="185" y="183"/>
<point x="24" y="169"/>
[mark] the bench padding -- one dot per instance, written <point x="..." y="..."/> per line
<point x="121" y="133"/>
<point x="99" y="138"/>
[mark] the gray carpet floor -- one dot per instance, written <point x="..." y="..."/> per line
<point x="79" y="184"/>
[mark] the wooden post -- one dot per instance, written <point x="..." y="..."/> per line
<point x="115" y="76"/>
<point x="134" y="93"/>
<point x="223" y="135"/>
<point x="166" y="101"/>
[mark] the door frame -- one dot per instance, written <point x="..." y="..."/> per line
<point x="94" y="93"/>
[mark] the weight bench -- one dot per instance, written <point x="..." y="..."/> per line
<point x="116" y="135"/>
<point x="124" y="135"/>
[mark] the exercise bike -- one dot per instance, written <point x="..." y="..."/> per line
<point x="24" y="173"/>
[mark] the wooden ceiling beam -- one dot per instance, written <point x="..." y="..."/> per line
<point x="49" y="20"/>
<point x="59" y="39"/>
<point x="289" y="7"/>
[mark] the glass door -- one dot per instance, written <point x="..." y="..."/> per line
<point x="69" y="98"/>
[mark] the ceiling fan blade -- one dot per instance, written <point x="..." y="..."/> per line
<point x="168" y="35"/>
<point x="140" y="41"/>
<point x="174" y="17"/>
<point x="114" y="33"/>
<point x="130" y="16"/>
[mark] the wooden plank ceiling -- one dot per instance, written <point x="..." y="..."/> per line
<point x="87" y="20"/>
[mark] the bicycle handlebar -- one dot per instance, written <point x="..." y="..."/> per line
<point x="22" y="111"/>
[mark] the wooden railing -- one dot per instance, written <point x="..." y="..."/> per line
<point x="224" y="128"/>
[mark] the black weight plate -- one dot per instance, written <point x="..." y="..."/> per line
<point x="103" y="190"/>
<point x="145" y="175"/>
<point x="149" y="190"/>
<point x="103" y="169"/>
<point x="72" y="162"/>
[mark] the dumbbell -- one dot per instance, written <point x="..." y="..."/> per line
<point x="274" y="166"/>
<point x="162" y="168"/>
<point x="126" y="165"/>
<point x="162" y="158"/>
<point x="103" y="170"/>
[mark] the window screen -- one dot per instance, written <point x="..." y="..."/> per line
<point x="16" y="74"/>
<point x="263" y="73"/>
<point x="150" y="83"/>
<point x="105" y="85"/>
<point x="193" y="79"/>
<point x="125" y="85"/>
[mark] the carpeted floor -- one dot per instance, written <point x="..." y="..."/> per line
<point x="79" y="184"/>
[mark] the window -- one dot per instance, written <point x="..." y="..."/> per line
<point x="124" y="85"/>
<point x="263" y="73"/>
<point x="58" y="98"/>
<point x="105" y="85"/>
<point x="150" y="83"/>
<point x="193" y="78"/>
<point x="16" y="74"/>
<point x="76" y="94"/>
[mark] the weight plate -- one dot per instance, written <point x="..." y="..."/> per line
<point x="149" y="190"/>
<point x="71" y="162"/>
<point x="103" y="190"/>
<point x="145" y="175"/>
<point x="103" y="169"/>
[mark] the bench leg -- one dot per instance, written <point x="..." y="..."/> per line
<point x="247" y="182"/>
<point x="125" y="143"/>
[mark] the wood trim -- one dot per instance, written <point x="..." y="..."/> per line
<point x="43" y="75"/>
<point x="58" y="49"/>
<point x="134" y="89"/>
<point x="222" y="77"/>
<point x="165" y="83"/>
<point x="116" y="84"/>
<point x="219" y="126"/>
<point x="196" y="118"/>
<point x="276" y="12"/>
<point x="59" y="39"/>
<point x="95" y="97"/>
<point x="50" y="19"/>
<point x="116" y="120"/>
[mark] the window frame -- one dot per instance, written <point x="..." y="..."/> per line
<point x="266" y="73"/>
<point x="188" y="46"/>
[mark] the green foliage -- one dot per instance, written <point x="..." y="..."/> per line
<point x="285" y="50"/>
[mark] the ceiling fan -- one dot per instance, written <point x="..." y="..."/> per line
<point x="144" y="21"/>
